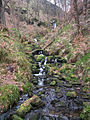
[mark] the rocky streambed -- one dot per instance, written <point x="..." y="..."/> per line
<point x="54" y="97"/>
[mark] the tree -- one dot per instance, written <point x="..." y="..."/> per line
<point x="85" y="9"/>
<point x="76" y="15"/>
<point x="3" y="4"/>
<point x="88" y="15"/>
<point x="0" y="11"/>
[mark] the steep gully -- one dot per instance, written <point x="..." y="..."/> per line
<point x="57" y="105"/>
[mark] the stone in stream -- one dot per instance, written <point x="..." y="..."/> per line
<point x="63" y="118"/>
<point x="53" y="83"/>
<point x="59" y="95"/>
<point x="15" y="117"/>
<point x="32" y="116"/>
<point x="60" y="104"/>
<point x="34" y="101"/>
<point x="71" y="94"/>
<point x="68" y="85"/>
<point x="40" y="57"/>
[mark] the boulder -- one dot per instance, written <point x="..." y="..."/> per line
<point x="34" y="101"/>
<point x="15" y="117"/>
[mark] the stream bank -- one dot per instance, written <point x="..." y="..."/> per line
<point x="62" y="97"/>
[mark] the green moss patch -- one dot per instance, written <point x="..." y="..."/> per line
<point x="9" y="95"/>
<point x="85" y="115"/>
<point x="53" y="83"/>
<point x="71" y="94"/>
<point x="40" y="57"/>
<point x="15" y="117"/>
<point x="27" y="105"/>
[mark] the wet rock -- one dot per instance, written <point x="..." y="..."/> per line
<point x="67" y="85"/>
<point x="15" y="117"/>
<point x="54" y="101"/>
<point x="53" y="83"/>
<point x="41" y="92"/>
<point x="60" y="104"/>
<point x="76" y="118"/>
<point x="27" y="105"/>
<point x="33" y="116"/>
<point x="37" y="87"/>
<point x="86" y="97"/>
<point x="76" y="83"/>
<point x="63" y="118"/>
<point x="35" y="82"/>
<point x="10" y="68"/>
<point x="71" y="94"/>
<point x="59" y="83"/>
<point x="57" y="90"/>
<point x="49" y="59"/>
<point x="56" y="76"/>
<point x="59" y="95"/>
<point x="40" y="57"/>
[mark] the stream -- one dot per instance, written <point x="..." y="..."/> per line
<point x="57" y="105"/>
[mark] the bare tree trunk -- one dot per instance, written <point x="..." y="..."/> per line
<point x="85" y="9"/>
<point x="2" y="15"/>
<point x="88" y="15"/>
<point x="55" y="8"/>
<point x="0" y="11"/>
<point x="38" y="9"/>
<point x="76" y="15"/>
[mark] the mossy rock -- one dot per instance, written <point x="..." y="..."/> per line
<point x="59" y="83"/>
<point x="85" y="115"/>
<point x="63" y="60"/>
<point x="71" y="94"/>
<point x="57" y="89"/>
<point x="27" y="105"/>
<point x="49" y="58"/>
<point x="60" y="104"/>
<point x="40" y="57"/>
<point x="75" y="83"/>
<point x="24" y="109"/>
<point x="68" y="85"/>
<point x="15" y="117"/>
<point x="41" y="92"/>
<point x="53" y="83"/>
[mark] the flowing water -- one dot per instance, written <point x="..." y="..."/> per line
<point x="57" y="105"/>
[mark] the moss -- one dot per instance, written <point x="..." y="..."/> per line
<point x="27" y="88"/>
<point x="71" y="94"/>
<point x="15" y="33"/>
<point x="63" y="68"/>
<point x="85" y="88"/>
<point x="57" y="90"/>
<point x="27" y="105"/>
<point x="15" y="117"/>
<point x="40" y="57"/>
<point x="64" y="29"/>
<point x="75" y="82"/>
<point x="9" y="95"/>
<point x="87" y="79"/>
<point x="53" y="83"/>
<point x="23" y="110"/>
<point x="3" y="54"/>
<point x="49" y="58"/>
<point x="85" y="115"/>
<point x="63" y="60"/>
<point x="67" y="78"/>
